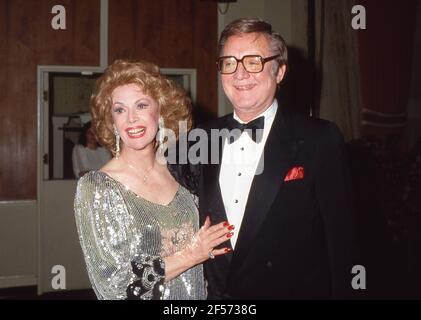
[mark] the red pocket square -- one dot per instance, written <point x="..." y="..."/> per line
<point x="295" y="174"/>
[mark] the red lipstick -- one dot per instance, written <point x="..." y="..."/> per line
<point x="136" y="132"/>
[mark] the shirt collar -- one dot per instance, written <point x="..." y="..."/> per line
<point x="268" y="113"/>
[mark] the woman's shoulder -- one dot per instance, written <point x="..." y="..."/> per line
<point x="94" y="179"/>
<point x="95" y="187"/>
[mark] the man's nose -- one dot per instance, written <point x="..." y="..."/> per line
<point x="241" y="72"/>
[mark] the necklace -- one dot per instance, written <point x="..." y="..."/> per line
<point x="146" y="175"/>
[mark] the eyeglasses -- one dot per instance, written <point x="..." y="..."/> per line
<point x="252" y="63"/>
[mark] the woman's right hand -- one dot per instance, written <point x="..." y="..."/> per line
<point x="206" y="239"/>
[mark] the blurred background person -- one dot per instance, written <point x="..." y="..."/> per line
<point x="88" y="155"/>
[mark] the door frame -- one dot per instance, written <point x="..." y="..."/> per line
<point x="42" y="114"/>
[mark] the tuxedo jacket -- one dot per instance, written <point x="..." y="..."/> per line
<point x="296" y="240"/>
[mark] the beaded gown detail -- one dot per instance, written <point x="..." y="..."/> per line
<point x="125" y="237"/>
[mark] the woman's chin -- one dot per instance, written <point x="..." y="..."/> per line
<point x="140" y="146"/>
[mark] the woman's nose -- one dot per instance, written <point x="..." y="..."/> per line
<point x="133" y="117"/>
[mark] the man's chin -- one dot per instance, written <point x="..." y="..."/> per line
<point x="244" y="106"/>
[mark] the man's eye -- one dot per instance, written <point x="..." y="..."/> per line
<point x="228" y="63"/>
<point x="253" y="62"/>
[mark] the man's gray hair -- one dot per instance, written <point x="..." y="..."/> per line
<point x="244" y="26"/>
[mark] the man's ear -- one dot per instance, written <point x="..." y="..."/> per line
<point x="281" y="73"/>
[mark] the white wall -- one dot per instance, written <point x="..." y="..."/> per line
<point x="18" y="243"/>
<point x="58" y="241"/>
<point x="277" y="12"/>
<point x="25" y="258"/>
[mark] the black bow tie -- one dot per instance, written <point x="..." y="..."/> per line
<point x="252" y="127"/>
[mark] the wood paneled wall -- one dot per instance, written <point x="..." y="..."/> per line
<point x="171" y="33"/>
<point x="29" y="40"/>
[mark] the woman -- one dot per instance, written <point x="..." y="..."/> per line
<point x="88" y="155"/>
<point x="137" y="226"/>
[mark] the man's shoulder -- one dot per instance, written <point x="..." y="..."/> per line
<point x="308" y="122"/>
<point x="310" y="127"/>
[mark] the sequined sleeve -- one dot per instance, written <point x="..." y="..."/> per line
<point x="102" y="223"/>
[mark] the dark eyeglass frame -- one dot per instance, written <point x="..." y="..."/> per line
<point x="262" y="61"/>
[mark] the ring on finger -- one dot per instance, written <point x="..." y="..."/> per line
<point x="211" y="255"/>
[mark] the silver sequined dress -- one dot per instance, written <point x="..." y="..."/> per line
<point x="119" y="230"/>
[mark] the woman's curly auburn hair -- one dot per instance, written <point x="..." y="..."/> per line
<point x="173" y="101"/>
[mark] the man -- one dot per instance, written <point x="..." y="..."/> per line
<point x="287" y="194"/>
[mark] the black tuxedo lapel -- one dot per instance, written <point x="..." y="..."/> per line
<point x="279" y="153"/>
<point x="214" y="204"/>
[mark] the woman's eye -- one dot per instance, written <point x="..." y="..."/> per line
<point x="142" y="105"/>
<point x="118" y="110"/>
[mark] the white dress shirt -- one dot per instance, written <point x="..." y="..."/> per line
<point x="240" y="161"/>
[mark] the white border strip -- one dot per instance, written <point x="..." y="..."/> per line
<point x="18" y="202"/>
<point x="383" y="125"/>
<point x="17" y="281"/>
<point x="384" y="115"/>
